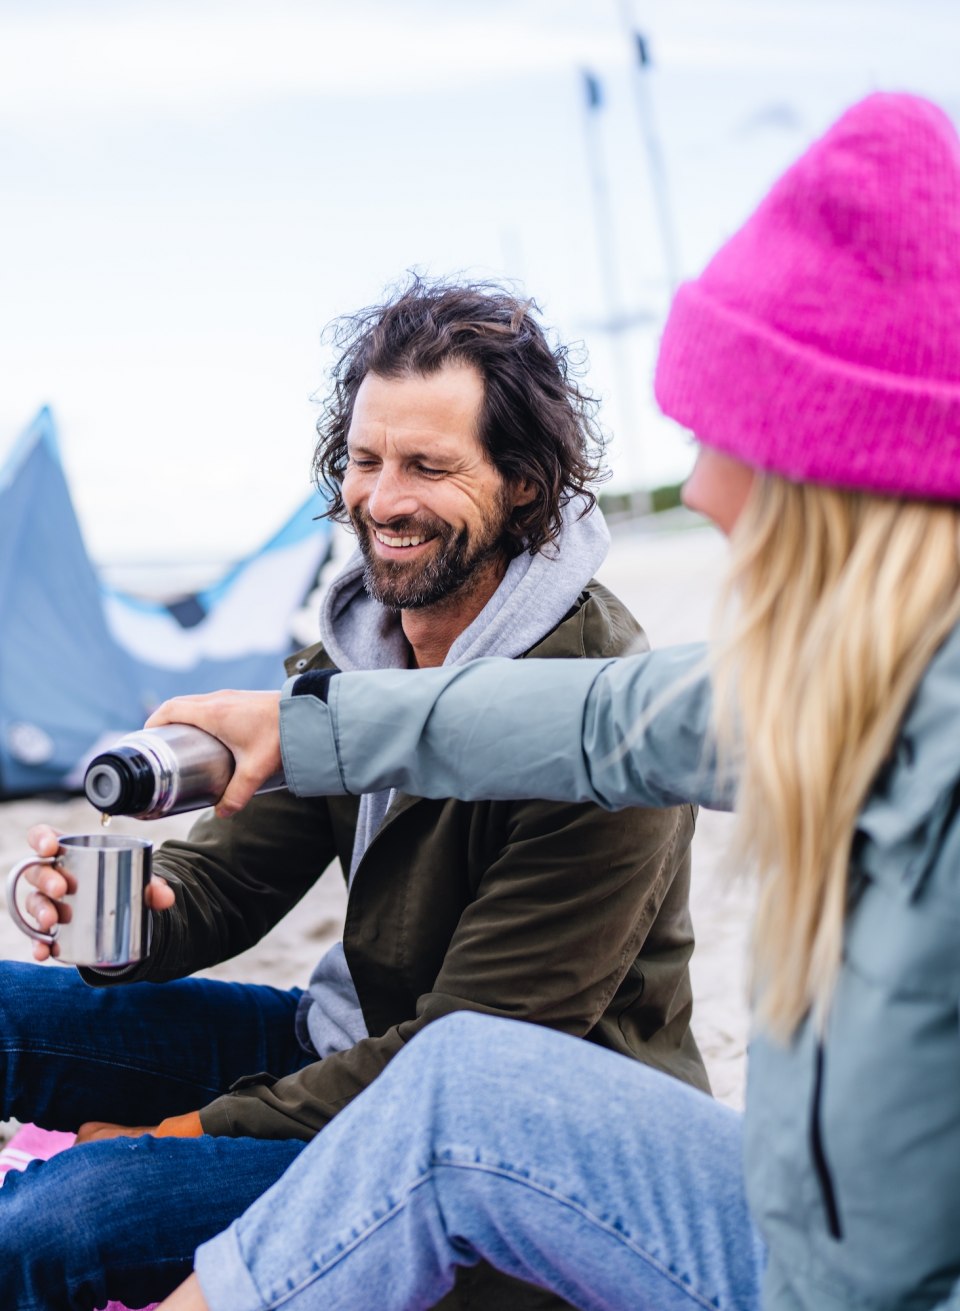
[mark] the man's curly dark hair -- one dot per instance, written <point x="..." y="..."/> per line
<point x="536" y="422"/>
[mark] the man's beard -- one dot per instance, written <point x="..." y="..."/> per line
<point x="451" y="569"/>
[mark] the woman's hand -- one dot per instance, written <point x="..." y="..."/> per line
<point x="246" y="722"/>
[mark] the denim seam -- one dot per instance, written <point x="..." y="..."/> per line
<point x="84" y="1053"/>
<point x="709" y="1304"/>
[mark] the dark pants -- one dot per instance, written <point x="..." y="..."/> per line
<point x="121" y="1219"/>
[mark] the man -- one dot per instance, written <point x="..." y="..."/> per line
<point x="461" y="451"/>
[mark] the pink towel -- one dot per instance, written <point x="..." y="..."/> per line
<point x="32" y="1144"/>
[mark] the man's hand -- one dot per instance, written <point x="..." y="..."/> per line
<point x="50" y="885"/>
<point x="246" y="722"/>
<point x="187" y="1297"/>
<point x="175" y="1126"/>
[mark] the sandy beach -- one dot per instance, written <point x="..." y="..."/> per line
<point x="668" y="575"/>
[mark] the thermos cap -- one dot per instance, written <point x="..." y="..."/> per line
<point x="120" y="782"/>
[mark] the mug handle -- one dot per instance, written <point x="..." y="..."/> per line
<point x="12" y="879"/>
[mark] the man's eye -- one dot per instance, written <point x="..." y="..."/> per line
<point x="361" y="463"/>
<point x="431" y="473"/>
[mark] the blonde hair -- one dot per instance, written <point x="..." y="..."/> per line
<point x="837" y="601"/>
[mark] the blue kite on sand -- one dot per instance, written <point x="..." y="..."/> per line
<point x="82" y="663"/>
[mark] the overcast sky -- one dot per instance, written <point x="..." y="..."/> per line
<point x="189" y="192"/>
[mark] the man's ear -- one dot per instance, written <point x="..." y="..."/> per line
<point x="524" y="492"/>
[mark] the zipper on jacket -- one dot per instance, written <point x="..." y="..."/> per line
<point x="820" y="1165"/>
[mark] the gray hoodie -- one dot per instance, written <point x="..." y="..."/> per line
<point x="359" y="633"/>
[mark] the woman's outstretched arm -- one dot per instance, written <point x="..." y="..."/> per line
<point x="631" y="731"/>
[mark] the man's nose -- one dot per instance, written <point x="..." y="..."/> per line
<point x="392" y="496"/>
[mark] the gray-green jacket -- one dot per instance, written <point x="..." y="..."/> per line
<point x="852" y="1143"/>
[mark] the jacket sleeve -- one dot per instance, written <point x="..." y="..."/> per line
<point x="539" y="942"/>
<point x="231" y="885"/>
<point x="624" y="732"/>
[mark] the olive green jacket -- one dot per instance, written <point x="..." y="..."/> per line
<point x="559" y="914"/>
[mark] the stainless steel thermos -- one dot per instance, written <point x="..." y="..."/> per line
<point x="162" y="771"/>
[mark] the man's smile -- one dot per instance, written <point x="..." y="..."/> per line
<point x="405" y="542"/>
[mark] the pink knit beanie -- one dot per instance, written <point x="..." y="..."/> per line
<point x="822" y="341"/>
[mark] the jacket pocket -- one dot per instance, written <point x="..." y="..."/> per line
<point x="821" y="1165"/>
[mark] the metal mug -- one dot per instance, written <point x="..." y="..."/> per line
<point x="107" y="920"/>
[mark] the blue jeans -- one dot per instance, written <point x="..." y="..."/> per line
<point x="562" y="1164"/>
<point x="121" y="1219"/>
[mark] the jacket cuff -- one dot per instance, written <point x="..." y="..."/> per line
<point x="308" y="745"/>
<point x="215" y="1118"/>
<point x="218" y="1118"/>
<point x="138" y="971"/>
<point x="223" y="1275"/>
<point x="315" y="682"/>
<point x="245" y="1115"/>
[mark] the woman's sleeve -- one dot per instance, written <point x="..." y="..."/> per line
<point x="622" y="732"/>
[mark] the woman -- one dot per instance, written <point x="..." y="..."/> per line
<point x="818" y="361"/>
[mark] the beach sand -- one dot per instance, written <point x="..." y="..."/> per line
<point x="668" y="577"/>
